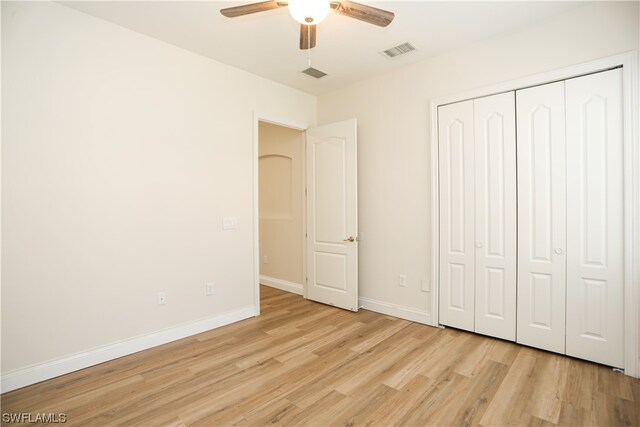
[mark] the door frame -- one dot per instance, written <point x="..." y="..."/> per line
<point x="629" y="63"/>
<point x="291" y="124"/>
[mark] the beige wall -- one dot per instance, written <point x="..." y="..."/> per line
<point x="394" y="132"/>
<point x="281" y="198"/>
<point x="122" y="154"/>
<point x="120" y="157"/>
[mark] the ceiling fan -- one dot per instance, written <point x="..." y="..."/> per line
<point x="312" y="12"/>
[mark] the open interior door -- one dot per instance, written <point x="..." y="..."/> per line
<point x="332" y="215"/>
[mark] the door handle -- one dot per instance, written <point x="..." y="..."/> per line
<point x="350" y="239"/>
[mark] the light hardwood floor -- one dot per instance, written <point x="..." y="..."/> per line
<point x="302" y="363"/>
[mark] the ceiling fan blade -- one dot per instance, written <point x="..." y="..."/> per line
<point x="372" y="15"/>
<point x="307" y="36"/>
<point x="246" y="9"/>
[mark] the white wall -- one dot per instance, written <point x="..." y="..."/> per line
<point x="281" y="199"/>
<point x="120" y="156"/>
<point x="394" y="132"/>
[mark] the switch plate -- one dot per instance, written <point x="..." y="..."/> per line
<point x="229" y="223"/>
<point x="210" y="289"/>
<point x="402" y="280"/>
<point x="265" y="260"/>
<point x="426" y="285"/>
<point x="162" y="298"/>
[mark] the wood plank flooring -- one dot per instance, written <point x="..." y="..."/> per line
<point x="302" y="363"/>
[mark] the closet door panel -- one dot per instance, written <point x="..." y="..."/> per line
<point x="541" y="216"/>
<point x="456" y="151"/>
<point x="495" y="208"/>
<point x="595" y="208"/>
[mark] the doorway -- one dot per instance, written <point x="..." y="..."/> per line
<point x="329" y="213"/>
<point x="281" y="207"/>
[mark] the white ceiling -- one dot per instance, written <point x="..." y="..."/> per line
<point x="266" y="43"/>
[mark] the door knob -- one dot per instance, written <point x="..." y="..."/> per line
<point x="558" y="251"/>
<point x="478" y="245"/>
<point x="350" y="239"/>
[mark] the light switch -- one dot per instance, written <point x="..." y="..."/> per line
<point x="229" y="223"/>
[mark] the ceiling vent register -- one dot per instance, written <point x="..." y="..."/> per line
<point x="313" y="72"/>
<point x="401" y="49"/>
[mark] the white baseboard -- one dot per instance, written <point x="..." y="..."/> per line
<point x="54" y="368"/>
<point x="403" y="312"/>
<point x="283" y="285"/>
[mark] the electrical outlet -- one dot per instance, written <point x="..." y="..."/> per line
<point x="162" y="298"/>
<point x="265" y="260"/>
<point x="402" y="280"/>
<point x="210" y="289"/>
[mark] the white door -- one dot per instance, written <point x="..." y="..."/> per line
<point x="595" y="208"/>
<point x="495" y="209"/>
<point x="457" y="219"/>
<point x="541" y="216"/>
<point x="332" y="215"/>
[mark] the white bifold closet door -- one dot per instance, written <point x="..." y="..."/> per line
<point x="495" y="231"/>
<point x="595" y="234"/>
<point x="553" y="279"/>
<point x="478" y="215"/>
<point x="457" y="218"/>
<point x="541" y="216"/>
<point x="570" y="217"/>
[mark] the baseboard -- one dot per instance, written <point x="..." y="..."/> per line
<point x="403" y="312"/>
<point x="283" y="285"/>
<point x="54" y="368"/>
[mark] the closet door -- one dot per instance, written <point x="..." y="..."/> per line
<point x="495" y="230"/>
<point x="456" y="176"/>
<point x="541" y="216"/>
<point x="595" y="208"/>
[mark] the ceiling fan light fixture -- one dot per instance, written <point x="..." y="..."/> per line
<point x="309" y="12"/>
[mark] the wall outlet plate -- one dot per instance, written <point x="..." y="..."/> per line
<point x="162" y="298"/>
<point x="210" y="289"/>
<point x="402" y="280"/>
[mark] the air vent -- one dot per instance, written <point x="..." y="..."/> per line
<point x="315" y="73"/>
<point x="401" y="49"/>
